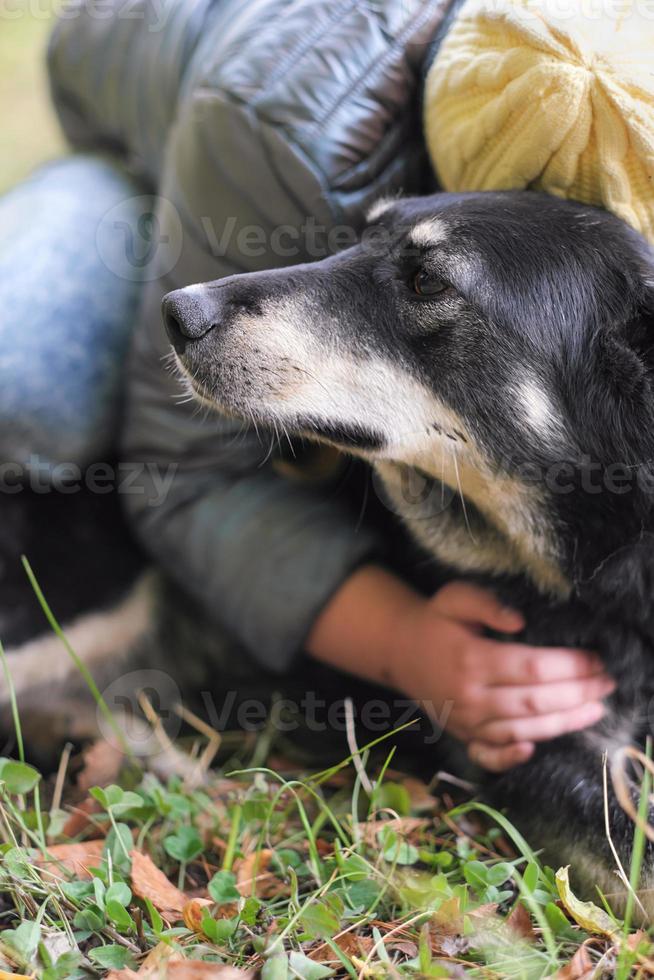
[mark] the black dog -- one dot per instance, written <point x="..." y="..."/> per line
<point x="499" y="344"/>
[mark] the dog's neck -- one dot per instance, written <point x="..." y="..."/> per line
<point x="494" y="529"/>
<point x="486" y="524"/>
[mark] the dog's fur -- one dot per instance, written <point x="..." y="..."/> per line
<point x="521" y="377"/>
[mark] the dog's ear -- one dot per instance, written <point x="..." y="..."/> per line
<point x="626" y="352"/>
<point x="639" y="330"/>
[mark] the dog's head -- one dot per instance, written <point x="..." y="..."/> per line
<point x="497" y="343"/>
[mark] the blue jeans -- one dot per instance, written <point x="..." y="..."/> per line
<point x="69" y="293"/>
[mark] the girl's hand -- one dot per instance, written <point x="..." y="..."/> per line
<point x="499" y="698"/>
<point x="503" y="697"/>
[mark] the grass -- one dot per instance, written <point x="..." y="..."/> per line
<point x="28" y="124"/>
<point x="280" y="876"/>
<point x="246" y="870"/>
<point x="253" y="868"/>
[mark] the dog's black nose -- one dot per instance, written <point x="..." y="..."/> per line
<point x="186" y="318"/>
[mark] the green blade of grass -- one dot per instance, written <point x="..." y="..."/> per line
<point x="14" y="705"/>
<point x="232" y="841"/>
<point x="325" y="774"/>
<point x="79" y="663"/>
<point x="626" y="957"/>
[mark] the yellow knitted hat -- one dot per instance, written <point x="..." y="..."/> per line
<point x="522" y="95"/>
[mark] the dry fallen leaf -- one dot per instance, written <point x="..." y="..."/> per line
<point x="448" y="918"/>
<point x="149" y="882"/>
<point x="580" y="967"/>
<point x="324" y="847"/>
<point x="484" y="912"/>
<point x="422" y="801"/>
<point x="102" y="765"/>
<point x="195" y="970"/>
<point x="519" y="921"/>
<point x="153" y="966"/>
<point x="157" y="959"/>
<point x="251" y="866"/>
<point x="636" y="938"/>
<point x="403" y="946"/>
<point x="163" y="963"/>
<point x="404" y="826"/>
<point x="79" y="819"/>
<point x="78" y="858"/>
<point x="349" y="943"/>
<point x="253" y="876"/>
<point x="589" y="916"/>
<point x="193" y="913"/>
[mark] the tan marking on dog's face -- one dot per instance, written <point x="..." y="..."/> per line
<point x="379" y="208"/>
<point x="514" y="539"/>
<point x="536" y="407"/>
<point x="518" y="538"/>
<point x="429" y="232"/>
<point x="516" y="511"/>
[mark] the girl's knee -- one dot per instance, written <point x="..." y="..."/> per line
<point x="69" y="292"/>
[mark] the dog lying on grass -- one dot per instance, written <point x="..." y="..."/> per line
<point x="500" y="345"/>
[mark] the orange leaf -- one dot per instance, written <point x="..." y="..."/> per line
<point x="78" y="858"/>
<point x="78" y="821"/>
<point x="406" y="827"/>
<point x="193" y="913"/>
<point x="153" y="966"/>
<point x="196" y="970"/>
<point x="421" y="799"/>
<point x="635" y="939"/>
<point x="519" y="921"/>
<point x="102" y="765"/>
<point x="580" y="967"/>
<point x="448" y="916"/>
<point x="182" y="969"/>
<point x="149" y="882"/>
<point x="253" y="876"/>
<point x="349" y="943"/>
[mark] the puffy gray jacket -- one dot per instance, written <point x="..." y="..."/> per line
<point x="263" y="124"/>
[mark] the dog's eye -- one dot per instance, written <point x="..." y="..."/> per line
<point x="426" y="285"/>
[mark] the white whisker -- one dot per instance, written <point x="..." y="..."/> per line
<point x="463" y="502"/>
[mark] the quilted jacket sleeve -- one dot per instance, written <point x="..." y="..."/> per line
<point x="117" y="70"/>
<point x="286" y="126"/>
